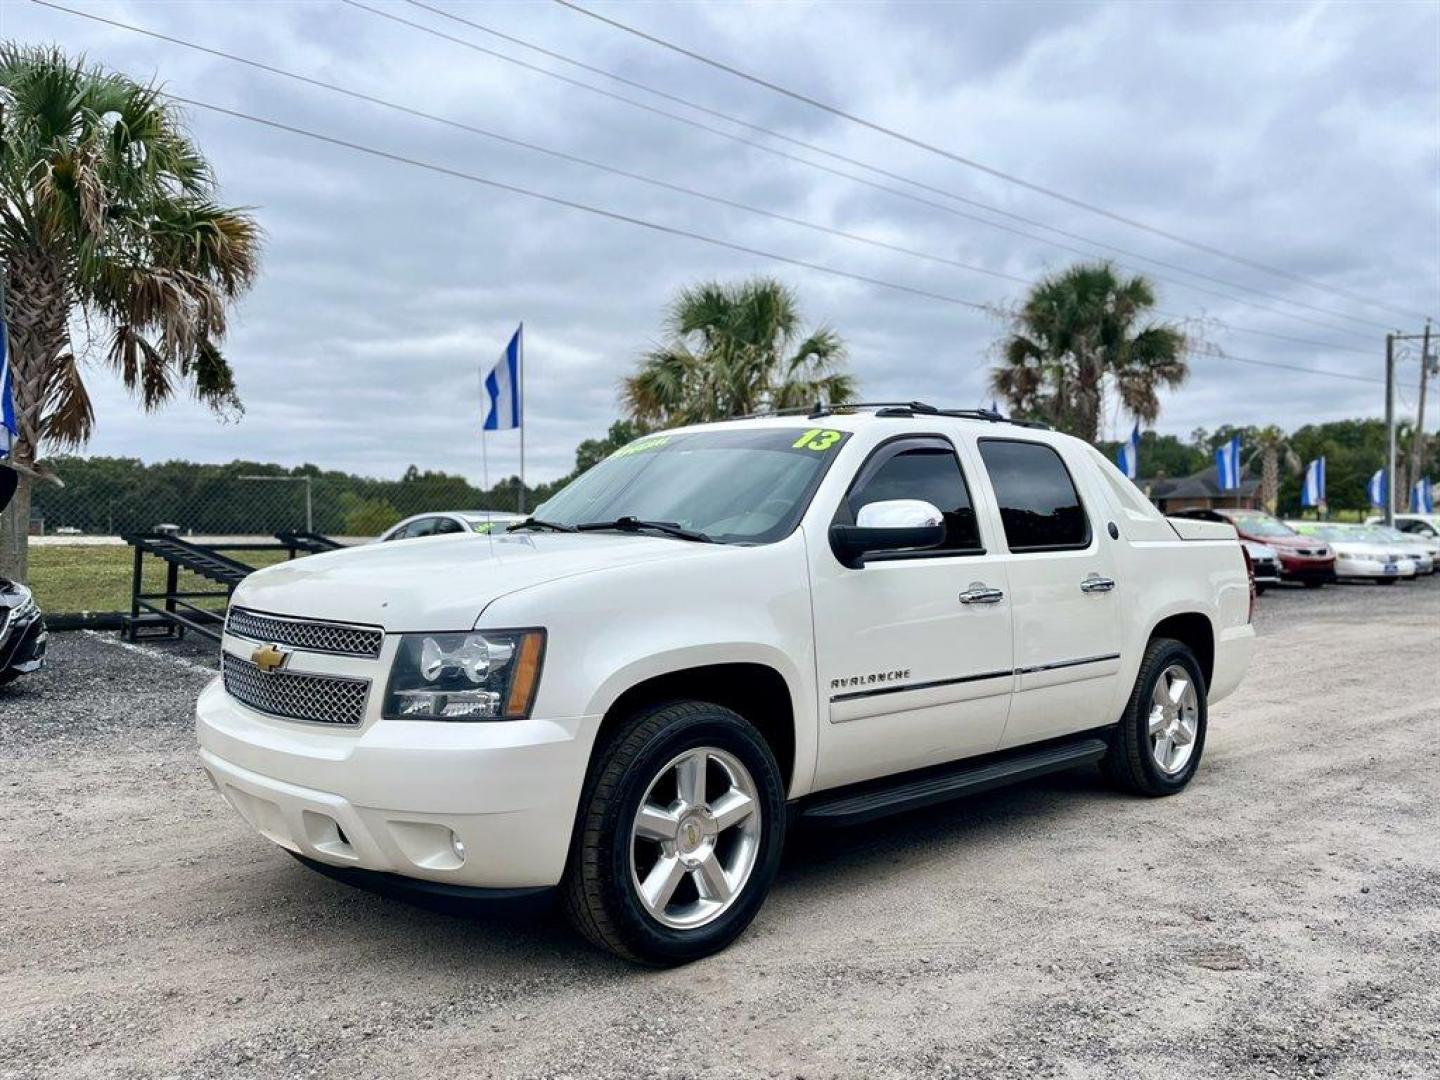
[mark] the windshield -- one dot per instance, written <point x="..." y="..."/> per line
<point x="1328" y="532"/>
<point x="736" y="486"/>
<point x="1261" y="525"/>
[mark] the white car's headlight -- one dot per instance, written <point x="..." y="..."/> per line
<point x="489" y="675"/>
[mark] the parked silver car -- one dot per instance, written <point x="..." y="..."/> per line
<point x="1360" y="554"/>
<point x="440" y="522"/>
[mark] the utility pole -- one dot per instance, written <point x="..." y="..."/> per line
<point x="1417" y="441"/>
<point x="1390" y="340"/>
<point x="1390" y="430"/>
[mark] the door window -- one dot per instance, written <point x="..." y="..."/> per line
<point x="921" y="469"/>
<point x="446" y="525"/>
<point x="1039" y="506"/>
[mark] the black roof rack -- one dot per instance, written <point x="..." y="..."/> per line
<point x="894" y="409"/>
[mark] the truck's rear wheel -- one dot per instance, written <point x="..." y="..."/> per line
<point x="1158" y="742"/>
<point x="679" y="835"/>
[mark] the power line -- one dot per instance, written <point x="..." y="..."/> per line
<point x="857" y="179"/>
<point x="598" y="211"/>
<point x="870" y="167"/>
<point x="654" y="226"/>
<point x="459" y="174"/>
<point x="981" y="166"/>
<point x="641" y="178"/>
<point x="546" y="150"/>
<point x="1222" y="355"/>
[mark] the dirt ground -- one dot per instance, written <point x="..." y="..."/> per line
<point x="1282" y="917"/>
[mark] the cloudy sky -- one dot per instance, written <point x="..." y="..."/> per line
<point x="1302" y="136"/>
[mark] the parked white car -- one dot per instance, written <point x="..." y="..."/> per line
<point x="1424" y="525"/>
<point x="1425" y="549"/>
<point x="713" y="631"/>
<point x="1360" y="555"/>
<point x="442" y="522"/>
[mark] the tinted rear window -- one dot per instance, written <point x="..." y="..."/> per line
<point x="1039" y="506"/>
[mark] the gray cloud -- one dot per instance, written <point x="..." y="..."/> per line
<point x="1302" y="135"/>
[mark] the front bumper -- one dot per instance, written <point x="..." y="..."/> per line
<point x="1266" y="571"/>
<point x="22" y="646"/>
<point x="394" y="797"/>
<point x="1301" y="568"/>
<point x="1352" y="566"/>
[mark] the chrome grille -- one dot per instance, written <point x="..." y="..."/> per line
<point x="308" y="634"/>
<point x="320" y="699"/>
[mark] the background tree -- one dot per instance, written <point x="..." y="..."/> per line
<point x="593" y="451"/>
<point x="735" y="349"/>
<point x="1079" y="333"/>
<point x="1163" y="455"/>
<point x="107" y="214"/>
<point x="1271" y="447"/>
<point x="367" y="517"/>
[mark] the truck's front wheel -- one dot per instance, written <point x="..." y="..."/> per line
<point x="679" y="836"/>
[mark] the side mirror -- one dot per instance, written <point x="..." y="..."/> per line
<point x="894" y="525"/>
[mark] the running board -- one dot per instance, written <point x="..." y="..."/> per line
<point x="852" y="806"/>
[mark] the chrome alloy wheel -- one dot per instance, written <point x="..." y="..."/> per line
<point x="695" y="838"/>
<point x="1174" y="719"/>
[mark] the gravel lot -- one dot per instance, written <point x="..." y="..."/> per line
<point x="1280" y="918"/>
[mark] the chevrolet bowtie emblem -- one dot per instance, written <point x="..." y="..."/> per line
<point x="269" y="658"/>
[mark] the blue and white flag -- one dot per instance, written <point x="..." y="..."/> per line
<point x="502" y="387"/>
<point x="1378" y="489"/>
<point x="9" y="429"/>
<point x="1422" y="496"/>
<point x="1128" y="456"/>
<point x="1227" y="465"/>
<point x="1313" y="491"/>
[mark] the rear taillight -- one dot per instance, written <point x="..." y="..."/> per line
<point x="1250" y="574"/>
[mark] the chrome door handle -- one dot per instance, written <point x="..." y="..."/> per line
<point x="980" y="593"/>
<point x="1096" y="583"/>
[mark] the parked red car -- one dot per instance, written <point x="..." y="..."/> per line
<point x="1302" y="558"/>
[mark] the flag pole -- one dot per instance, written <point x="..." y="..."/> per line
<point x="484" y="451"/>
<point x="521" y="417"/>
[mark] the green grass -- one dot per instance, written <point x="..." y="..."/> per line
<point x="70" y="578"/>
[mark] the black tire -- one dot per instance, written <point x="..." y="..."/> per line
<point x="1386" y="581"/>
<point x="1129" y="764"/>
<point x="1314" y="583"/>
<point x="599" y="891"/>
<point x="1260" y="589"/>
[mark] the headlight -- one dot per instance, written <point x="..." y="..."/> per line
<point x="490" y="675"/>
<point x="27" y="605"/>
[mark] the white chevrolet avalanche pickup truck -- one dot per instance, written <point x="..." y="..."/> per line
<point x="714" y="633"/>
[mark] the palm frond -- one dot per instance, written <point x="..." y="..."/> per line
<point x="100" y="180"/>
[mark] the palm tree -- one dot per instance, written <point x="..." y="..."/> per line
<point x="107" y="218"/>
<point x="1075" y="336"/>
<point x="735" y="349"/>
<point x="1272" y="448"/>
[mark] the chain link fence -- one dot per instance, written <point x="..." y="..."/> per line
<point x="79" y="561"/>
